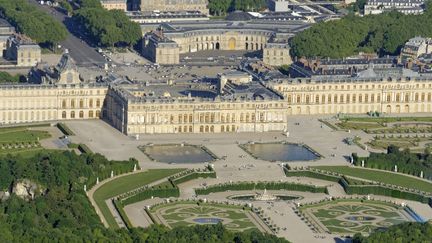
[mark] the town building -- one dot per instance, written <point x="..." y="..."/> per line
<point x="416" y="47"/>
<point x="279" y="5"/>
<point x="174" y="5"/>
<point x="114" y="4"/>
<point x="6" y="30"/>
<point x="64" y="97"/>
<point x="403" y="6"/>
<point x="166" y="17"/>
<point x="23" y="51"/>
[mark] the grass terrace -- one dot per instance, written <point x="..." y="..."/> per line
<point x="381" y="176"/>
<point x="125" y="184"/>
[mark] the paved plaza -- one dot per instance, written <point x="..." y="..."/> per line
<point x="234" y="164"/>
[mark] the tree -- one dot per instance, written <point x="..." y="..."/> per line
<point x="384" y="33"/>
<point x="33" y="22"/>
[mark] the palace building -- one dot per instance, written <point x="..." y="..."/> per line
<point x="165" y="45"/>
<point x="252" y="100"/>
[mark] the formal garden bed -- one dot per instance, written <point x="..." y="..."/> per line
<point x="351" y="216"/>
<point x="234" y="217"/>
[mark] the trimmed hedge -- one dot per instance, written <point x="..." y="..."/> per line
<point x="119" y="207"/>
<point x="312" y="174"/>
<point x="382" y="190"/>
<point x="65" y="129"/>
<point x="146" y="194"/>
<point x="353" y="186"/>
<point x="84" y="149"/>
<point x="260" y="186"/>
<point x="192" y="176"/>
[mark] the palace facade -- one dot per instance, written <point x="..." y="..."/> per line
<point x="232" y="102"/>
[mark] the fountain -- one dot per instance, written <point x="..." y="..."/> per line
<point x="264" y="196"/>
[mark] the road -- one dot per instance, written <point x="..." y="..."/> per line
<point x="81" y="52"/>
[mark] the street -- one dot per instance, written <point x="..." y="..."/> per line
<point x="81" y="52"/>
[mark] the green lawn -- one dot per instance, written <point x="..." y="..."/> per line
<point x="14" y="140"/>
<point x="380" y="176"/>
<point x="21" y="135"/>
<point x="125" y="184"/>
<point x="388" y="119"/>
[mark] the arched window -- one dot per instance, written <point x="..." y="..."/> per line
<point x="317" y="99"/>
<point x="72" y="114"/>
<point x="81" y="114"/>
<point x="406" y="97"/>
<point x="98" y="103"/>
<point x="64" y="114"/>
<point x="298" y="98"/>
<point x="90" y="114"/>
<point x="72" y="103"/>
<point x="81" y="103"/>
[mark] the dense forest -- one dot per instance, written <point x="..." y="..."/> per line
<point x="33" y="22"/>
<point x="407" y="232"/>
<point x="107" y="27"/>
<point x="222" y="7"/>
<point x="384" y="34"/>
<point x="63" y="213"/>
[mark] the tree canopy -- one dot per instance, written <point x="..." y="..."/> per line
<point x="33" y="22"/>
<point x="222" y="7"/>
<point x="384" y="34"/>
<point x="107" y="27"/>
<point x="406" y="232"/>
<point x="64" y="213"/>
